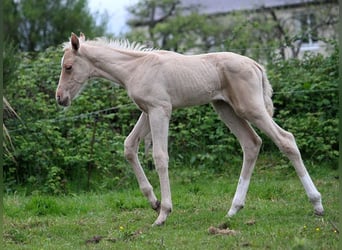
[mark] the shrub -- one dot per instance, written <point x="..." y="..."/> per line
<point x="54" y="148"/>
<point x="306" y="102"/>
<point x="61" y="151"/>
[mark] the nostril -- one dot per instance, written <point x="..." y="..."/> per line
<point x="63" y="101"/>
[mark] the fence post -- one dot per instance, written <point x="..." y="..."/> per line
<point x="91" y="163"/>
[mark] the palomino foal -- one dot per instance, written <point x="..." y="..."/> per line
<point x="160" y="81"/>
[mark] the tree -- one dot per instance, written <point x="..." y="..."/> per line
<point x="34" y="25"/>
<point x="311" y="26"/>
<point x="169" y="25"/>
<point x="258" y="33"/>
<point x="150" y="12"/>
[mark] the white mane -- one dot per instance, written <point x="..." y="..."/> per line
<point x="110" y="43"/>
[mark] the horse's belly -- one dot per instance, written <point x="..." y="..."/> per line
<point x="190" y="84"/>
<point x="188" y="95"/>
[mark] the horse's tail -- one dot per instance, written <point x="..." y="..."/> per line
<point x="267" y="91"/>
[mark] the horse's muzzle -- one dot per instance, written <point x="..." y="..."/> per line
<point x="63" y="101"/>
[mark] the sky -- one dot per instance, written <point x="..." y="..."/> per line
<point x="116" y="10"/>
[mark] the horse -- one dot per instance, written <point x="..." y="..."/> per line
<point x="159" y="81"/>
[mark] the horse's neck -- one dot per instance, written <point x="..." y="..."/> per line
<point x="112" y="64"/>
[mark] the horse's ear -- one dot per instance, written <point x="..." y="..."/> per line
<point x="74" y="42"/>
<point x="82" y="37"/>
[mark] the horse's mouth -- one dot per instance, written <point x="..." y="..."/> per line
<point x="65" y="102"/>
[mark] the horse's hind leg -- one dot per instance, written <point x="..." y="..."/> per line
<point x="250" y="143"/>
<point x="287" y="144"/>
<point x="140" y="130"/>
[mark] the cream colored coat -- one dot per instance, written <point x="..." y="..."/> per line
<point x="160" y="81"/>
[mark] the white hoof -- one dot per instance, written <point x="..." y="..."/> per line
<point x="159" y="222"/>
<point x="318" y="207"/>
<point x="163" y="214"/>
<point x="233" y="210"/>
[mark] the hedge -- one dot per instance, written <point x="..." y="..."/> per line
<point x="63" y="150"/>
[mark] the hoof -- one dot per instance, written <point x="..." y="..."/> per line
<point x="319" y="212"/>
<point x="230" y="214"/>
<point x="158" y="224"/>
<point x="163" y="214"/>
<point x="233" y="210"/>
<point x="318" y="207"/>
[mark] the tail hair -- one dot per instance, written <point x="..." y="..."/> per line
<point x="267" y="91"/>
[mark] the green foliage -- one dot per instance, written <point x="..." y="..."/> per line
<point x="306" y="102"/>
<point x="254" y="36"/>
<point x="37" y="24"/>
<point x="79" y="148"/>
<point x="10" y="58"/>
<point x="181" y="33"/>
<point x="206" y="140"/>
<point x="170" y="28"/>
<point x="257" y="33"/>
<point x="61" y="151"/>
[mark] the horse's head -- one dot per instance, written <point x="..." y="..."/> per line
<point x="75" y="71"/>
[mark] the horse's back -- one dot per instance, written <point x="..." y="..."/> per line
<point x="188" y="80"/>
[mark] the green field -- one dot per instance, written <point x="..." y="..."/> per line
<point x="277" y="215"/>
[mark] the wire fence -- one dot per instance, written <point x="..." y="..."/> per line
<point x="111" y="110"/>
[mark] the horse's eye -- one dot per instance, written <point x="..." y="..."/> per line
<point x="68" y="67"/>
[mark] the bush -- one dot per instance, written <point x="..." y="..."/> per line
<point x="62" y="151"/>
<point x="199" y="138"/>
<point x="306" y="102"/>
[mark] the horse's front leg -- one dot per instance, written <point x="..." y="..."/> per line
<point x="159" y="123"/>
<point x="140" y="130"/>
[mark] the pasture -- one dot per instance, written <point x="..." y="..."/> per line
<point x="277" y="214"/>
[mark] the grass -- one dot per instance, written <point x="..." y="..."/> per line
<point x="277" y="215"/>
